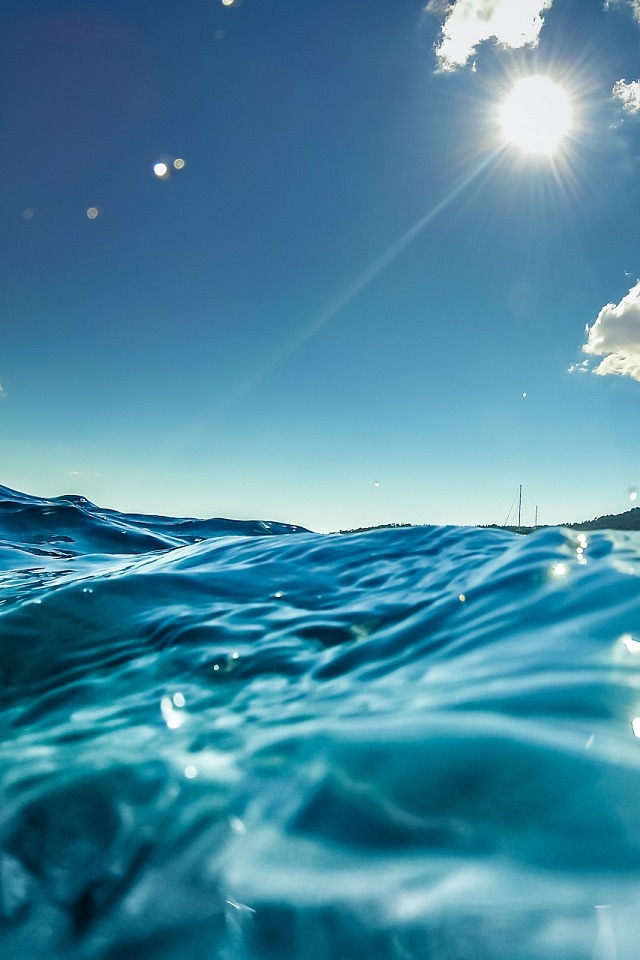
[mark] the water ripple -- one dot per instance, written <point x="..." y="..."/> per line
<point x="232" y="739"/>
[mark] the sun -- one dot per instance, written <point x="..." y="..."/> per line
<point x="536" y="115"/>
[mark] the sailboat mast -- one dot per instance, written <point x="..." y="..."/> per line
<point x="520" y="506"/>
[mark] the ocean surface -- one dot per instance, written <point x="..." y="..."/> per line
<point x="230" y="740"/>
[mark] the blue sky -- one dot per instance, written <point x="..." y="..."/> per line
<point x="330" y="316"/>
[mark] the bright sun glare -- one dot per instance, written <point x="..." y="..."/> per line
<point x="536" y="115"/>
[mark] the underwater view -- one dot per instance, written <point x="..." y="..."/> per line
<point x="238" y="740"/>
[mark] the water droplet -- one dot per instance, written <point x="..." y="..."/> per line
<point x="635" y="724"/>
<point x="376" y="483"/>
<point x="178" y="699"/>
<point x="92" y="213"/>
<point x="225" y="663"/>
<point x="633" y="494"/>
<point x="237" y="825"/>
<point x="462" y="598"/>
<point x="28" y="213"/>
<point x="560" y="569"/>
<point x="524" y="394"/>
<point x="178" y="163"/>
<point x="190" y="772"/>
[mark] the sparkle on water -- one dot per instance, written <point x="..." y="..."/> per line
<point x="632" y="645"/>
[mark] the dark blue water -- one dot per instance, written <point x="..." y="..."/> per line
<point x="244" y="741"/>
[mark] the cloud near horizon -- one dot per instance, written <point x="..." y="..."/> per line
<point x="510" y="23"/>
<point x="628" y="94"/>
<point x="615" y="335"/>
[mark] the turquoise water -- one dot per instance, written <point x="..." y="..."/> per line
<point x="244" y="740"/>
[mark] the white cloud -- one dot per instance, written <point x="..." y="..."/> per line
<point x="511" y="23"/>
<point x="615" y="335"/>
<point x="623" y="366"/>
<point x="634" y="4"/>
<point x="579" y="367"/>
<point x="628" y="94"/>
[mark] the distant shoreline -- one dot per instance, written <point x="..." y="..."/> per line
<point x="630" y="520"/>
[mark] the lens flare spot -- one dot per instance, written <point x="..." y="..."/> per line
<point x="165" y="167"/>
<point x="92" y="213"/>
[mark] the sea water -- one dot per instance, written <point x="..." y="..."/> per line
<point x="245" y="741"/>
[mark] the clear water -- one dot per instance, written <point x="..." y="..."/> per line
<point x="244" y="740"/>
